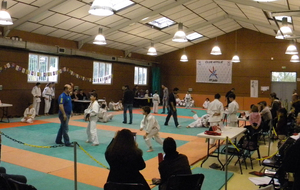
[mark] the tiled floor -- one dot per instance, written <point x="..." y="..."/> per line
<point x="240" y="181"/>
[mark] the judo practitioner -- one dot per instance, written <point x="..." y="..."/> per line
<point x="29" y="114"/>
<point x="91" y="115"/>
<point x="156" y="102"/>
<point x="103" y="115"/>
<point x="36" y="93"/>
<point x="48" y="94"/>
<point x="199" y="121"/>
<point x="151" y="126"/>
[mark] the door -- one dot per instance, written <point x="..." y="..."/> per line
<point x="284" y="91"/>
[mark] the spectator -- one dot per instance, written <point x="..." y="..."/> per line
<point x="125" y="159"/>
<point x="173" y="163"/>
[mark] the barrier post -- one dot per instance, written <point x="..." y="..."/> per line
<point x="75" y="165"/>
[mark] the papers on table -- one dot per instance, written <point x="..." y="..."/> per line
<point x="262" y="180"/>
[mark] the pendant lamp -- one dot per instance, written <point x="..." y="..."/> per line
<point x="180" y="35"/>
<point x="5" y="18"/>
<point x="152" y="50"/>
<point x="100" y="39"/>
<point x="101" y="8"/>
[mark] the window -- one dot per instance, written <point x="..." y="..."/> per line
<point x="162" y="23"/>
<point x="284" y="77"/>
<point x="194" y="36"/>
<point x="140" y="76"/>
<point x="121" y="4"/>
<point x="102" y="73"/>
<point x="42" y="68"/>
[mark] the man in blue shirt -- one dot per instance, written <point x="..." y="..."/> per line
<point x="65" y="111"/>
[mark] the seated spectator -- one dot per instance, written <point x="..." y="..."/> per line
<point x="173" y="163"/>
<point x="199" y="122"/>
<point x="103" y="115"/>
<point x="19" y="178"/>
<point x="29" y="114"/>
<point x="206" y="103"/>
<point x="125" y="159"/>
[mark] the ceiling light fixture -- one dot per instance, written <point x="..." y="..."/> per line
<point x="184" y="58"/>
<point x="152" y="50"/>
<point x="100" y="39"/>
<point x="279" y="35"/>
<point x="179" y="36"/>
<point x="101" y="8"/>
<point x="295" y="59"/>
<point x="5" y="18"/>
<point x="216" y="49"/>
<point x="291" y="49"/>
<point x="285" y="28"/>
<point x="235" y="58"/>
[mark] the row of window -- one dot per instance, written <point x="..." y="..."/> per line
<point x="44" y="68"/>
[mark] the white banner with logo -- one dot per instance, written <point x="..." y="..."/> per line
<point x="214" y="71"/>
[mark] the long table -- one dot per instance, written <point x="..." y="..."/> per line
<point x="227" y="133"/>
<point x="4" y="107"/>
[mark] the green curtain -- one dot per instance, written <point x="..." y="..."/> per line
<point x="155" y="79"/>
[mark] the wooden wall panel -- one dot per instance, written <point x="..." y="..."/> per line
<point x="260" y="54"/>
<point x="17" y="91"/>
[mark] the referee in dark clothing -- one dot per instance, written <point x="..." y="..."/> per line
<point x="172" y="108"/>
<point x="128" y="99"/>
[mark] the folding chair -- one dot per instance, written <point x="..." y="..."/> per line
<point x="123" y="186"/>
<point x="184" y="182"/>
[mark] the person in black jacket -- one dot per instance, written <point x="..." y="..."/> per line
<point x="172" y="108"/>
<point x="173" y="163"/>
<point x="128" y="99"/>
<point x="125" y="159"/>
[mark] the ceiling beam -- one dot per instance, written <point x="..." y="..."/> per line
<point x="137" y="19"/>
<point x="236" y="18"/>
<point x="33" y="14"/>
<point x="264" y="6"/>
<point x="195" y="27"/>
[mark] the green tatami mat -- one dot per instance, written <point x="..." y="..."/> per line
<point x="43" y="181"/>
<point x="45" y="134"/>
<point x="137" y="118"/>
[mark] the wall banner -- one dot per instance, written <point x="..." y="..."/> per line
<point x="214" y="71"/>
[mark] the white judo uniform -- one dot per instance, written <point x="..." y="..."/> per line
<point x="48" y="94"/>
<point x="215" y="120"/>
<point x="91" y="130"/>
<point x="151" y="126"/>
<point x="156" y="102"/>
<point x="36" y="91"/>
<point x="187" y="100"/>
<point x="200" y="121"/>
<point x="104" y="116"/>
<point x="233" y="108"/>
<point x="206" y="104"/>
<point x="29" y="115"/>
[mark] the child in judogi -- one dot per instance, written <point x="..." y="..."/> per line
<point x="156" y="102"/>
<point x="29" y="114"/>
<point x="206" y="103"/>
<point x="151" y="126"/>
<point x="103" y="115"/>
<point x="199" y="122"/>
<point x="90" y="115"/>
<point x="187" y="100"/>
